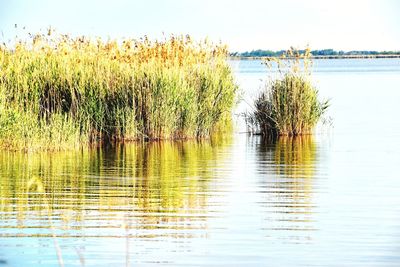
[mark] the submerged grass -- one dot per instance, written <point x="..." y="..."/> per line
<point x="58" y="92"/>
<point x="289" y="106"/>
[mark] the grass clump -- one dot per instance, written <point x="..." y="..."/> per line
<point x="58" y="92"/>
<point x="289" y="106"/>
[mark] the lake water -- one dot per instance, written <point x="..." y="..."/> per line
<point x="332" y="199"/>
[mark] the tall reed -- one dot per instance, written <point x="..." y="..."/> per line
<point x="289" y="105"/>
<point x="60" y="92"/>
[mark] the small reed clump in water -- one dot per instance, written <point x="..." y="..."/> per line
<point x="289" y="105"/>
<point x="59" y="92"/>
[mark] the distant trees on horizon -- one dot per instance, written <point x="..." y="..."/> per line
<point x="323" y="52"/>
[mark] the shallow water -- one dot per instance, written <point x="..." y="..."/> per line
<point x="328" y="200"/>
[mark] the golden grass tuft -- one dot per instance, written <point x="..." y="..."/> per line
<point x="289" y="106"/>
<point x="59" y="92"/>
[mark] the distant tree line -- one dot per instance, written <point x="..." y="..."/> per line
<point x="323" y="52"/>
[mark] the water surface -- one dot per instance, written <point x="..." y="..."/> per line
<point x="328" y="200"/>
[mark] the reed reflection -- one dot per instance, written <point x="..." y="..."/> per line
<point x="290" y="167"/>
<point x="120" y="191"/>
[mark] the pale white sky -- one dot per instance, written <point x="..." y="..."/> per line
<point x="243" y="25"/>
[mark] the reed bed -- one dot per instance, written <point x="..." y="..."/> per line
<point x="59" y="92"/>
<point x="289" y="105"/>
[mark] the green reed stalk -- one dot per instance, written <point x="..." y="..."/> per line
<point x="289" y="105"/>
<point x="58" y="92"/>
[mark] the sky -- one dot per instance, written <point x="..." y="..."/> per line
<point x="242" y="25"/>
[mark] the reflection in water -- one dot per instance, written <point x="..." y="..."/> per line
<point x="149" y="190"/>
<point x="295" y="157"/>
<point x="290" y="165"/>
<point x="166" y="192"/>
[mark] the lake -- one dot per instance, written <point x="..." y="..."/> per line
<point x="332" y="199"/>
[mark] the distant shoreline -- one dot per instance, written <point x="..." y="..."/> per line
<point x="322" y="57"/>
